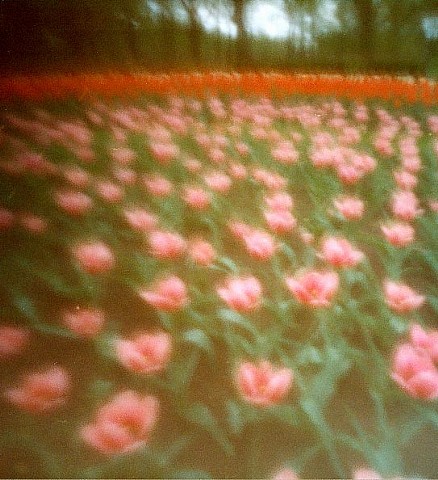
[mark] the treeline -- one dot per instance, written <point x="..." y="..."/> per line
<point x="163" y="35"/>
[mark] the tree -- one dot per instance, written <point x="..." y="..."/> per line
<point x="243" y="57"/>
<point x="195" y="30"/>
<point x="365" y="11"/>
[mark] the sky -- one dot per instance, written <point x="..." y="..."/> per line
<point x="264" y="18"/>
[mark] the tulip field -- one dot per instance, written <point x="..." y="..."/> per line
<point x="218" y="276"/>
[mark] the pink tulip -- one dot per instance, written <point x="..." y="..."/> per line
<point x="399" y="234"/>
<point x="164" y="152"/>
<point x="145" y="353"/>
<point x="280" y="221"/>
<point x="169" y="294"/>
<point x="285" y="153"/>
<point x="109" y="191"/>
<point x="196" y="198"/>
<point x="85" y="322"/>
<point x="94" y="257"/>
<point x="428" y="341"/>
<point x="41" y="392"/>
<point x="73" y="202"/>
<point x="33" y="223"/>
<point x="242" y="148"/>
<point x="166" y="245"/>
<point x="238" y="171"/>
<point x="86" y="154"/>
<point x="279" y="201"/>
<point x="401" y="298"/>
<point x="76" y="176"/>
<point x="263" y="384"/>
<point x="218" y="181"/>
<point x="6" y="219"/>
<point x="239" y="229"/>
<point x="366" y="474"/>
<point x="259" y="244"/>
<point x="314" y="288"/>
<point x="202" y="252"/>
<point x="340" y="253"/>
<point x="122" y="425"/>
<point x="241" y="293"/>
<point x="351" y="208"/>
<point x="124" y="175"/>
<point x="348" y="174"/>
<point x="13" y="340"/>
<point x="192" y="165"/>
<point x="411" y="164"/>
<point x="140" y="219"/>
<point x="77" y="132"/>
<point x="123" y="155"/>
<point x="414" y="371"/>
<point x="285" y="474"/>
<point x="433" y="205"/>
<point x="306" y="236"/>
<point x="157" y="185"/>
<point x="35" y="163"/>
<point x="405" y="180"/>
<point x="404" y="205"/>
<point x="271" y="180"/>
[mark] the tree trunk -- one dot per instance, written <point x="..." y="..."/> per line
<point x="195" y="34"/>
<point x="366" y="17"/>
<point x="243" y="58"/>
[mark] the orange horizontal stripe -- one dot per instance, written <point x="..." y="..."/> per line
<point x="355" y="87"/>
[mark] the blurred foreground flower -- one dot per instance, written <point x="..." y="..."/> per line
<point x="340" y="253"/>
<point x="169" y="294"/>
<point x="398" y="234"/>
<point x="42" y="391"/>
<point x="263" y="384"/>
<point x="285" y="474"/>
<point x="202" y="252"/>
<point x="415" y="372"/>
<point x="73" y="202"/>
<point x="400" y="298"/>
<point x="94" y="257"/>
<point x="85" y="322"/>
<point x="351" y="208"/>
<point x="241" y="293"/>
<point x="145" y="353"/>
<point x="427" y="341"/>
<point x="122" y="425"/>
<point x="404" y="205"/>
<point x="166" y="245"/>
<point x="314" y="288"/>
<point x="366" y="474"/>
<point x="13" y="341"/>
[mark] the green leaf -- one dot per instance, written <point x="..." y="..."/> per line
<point x="27" y="308"/>
<point x="229" y="264"/>
<point x="309" y="354"/>
<point x="235" y="418"/>
<point x="200" y="339"/>
<point x="173" y="450"/>
<point x="230" y="316"/>
<point x="105" y="346"/>
<point x="288" y="414"/>
<point x="322" y="386"/>
<point x="201" y="415"/>
<point x="288" y="251"/>
<point x="180" y="373"/>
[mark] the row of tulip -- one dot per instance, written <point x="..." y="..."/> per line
<point x="357" y="87"/>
